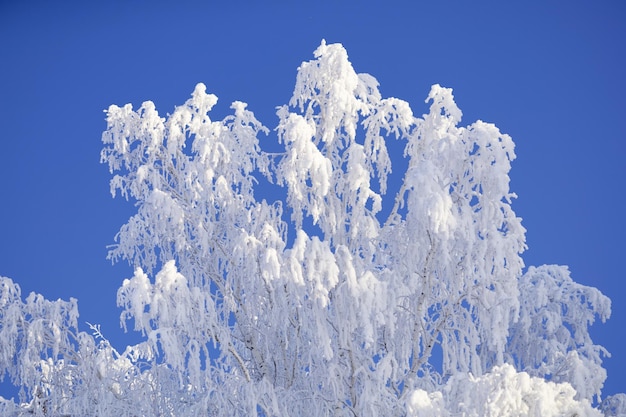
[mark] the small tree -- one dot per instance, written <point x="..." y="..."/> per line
<point x="320" y="303"/>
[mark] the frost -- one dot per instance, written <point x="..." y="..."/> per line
<point x="551" y="337"/>
<point x="614" y="406"/>
<point x="501" y="392"/>
<point x="422" y="404"/>
<point x="410" y="304"/>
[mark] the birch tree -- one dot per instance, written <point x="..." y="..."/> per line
<point x="335" y="299"/>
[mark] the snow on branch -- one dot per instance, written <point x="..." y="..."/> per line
<point x="321" y="302"/>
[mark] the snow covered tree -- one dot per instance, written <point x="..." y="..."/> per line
<point x="333" y="300"/>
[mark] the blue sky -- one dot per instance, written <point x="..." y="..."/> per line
<point x="548" y="73"/>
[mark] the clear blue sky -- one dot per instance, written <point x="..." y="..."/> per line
<point x="550" y="74"/>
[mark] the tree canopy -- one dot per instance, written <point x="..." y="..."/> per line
<point x="334" y="299"/>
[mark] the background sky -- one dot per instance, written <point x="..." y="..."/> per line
<point x="550" y="74"/>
